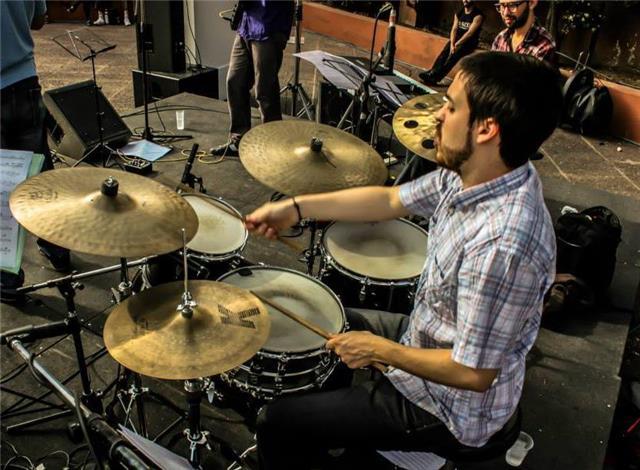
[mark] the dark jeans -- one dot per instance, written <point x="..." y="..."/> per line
<point x="295" y="432"/>
<point x="254" y="63"/>
<point x="445" y="62"/>
<point x="22" y="125"/>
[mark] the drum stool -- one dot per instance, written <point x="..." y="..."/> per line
<point x="459" y="456"/>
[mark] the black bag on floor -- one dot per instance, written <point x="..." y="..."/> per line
<point x="588" y="109"/>
<point x="587" y="244"/>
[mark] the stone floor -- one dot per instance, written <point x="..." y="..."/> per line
<point x="606" y="164"/>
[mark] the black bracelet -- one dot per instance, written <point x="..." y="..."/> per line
<point x="295" y="204"/>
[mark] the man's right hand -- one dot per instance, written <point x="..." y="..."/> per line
<point x="271" y="218"/>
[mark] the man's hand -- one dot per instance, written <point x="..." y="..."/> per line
<point x="359" y="349"/>
<point x="272" y="218"/>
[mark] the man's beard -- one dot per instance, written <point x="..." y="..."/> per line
<point x="453" y="159"/>
<point x="521" y="20"/>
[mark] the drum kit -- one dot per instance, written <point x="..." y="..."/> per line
<point x="260" y="329"/>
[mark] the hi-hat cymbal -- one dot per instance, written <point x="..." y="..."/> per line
<point x="130" y="216"/>
<point x="146" y="333"/>
<point x="414" y="124"/>
<point x="298" y="157"/>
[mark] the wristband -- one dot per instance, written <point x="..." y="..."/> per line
<point x="295" y="204"/>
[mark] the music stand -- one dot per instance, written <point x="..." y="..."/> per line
<point x="84" y="45"/>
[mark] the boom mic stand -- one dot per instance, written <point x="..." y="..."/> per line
<point x="296" y="87"/>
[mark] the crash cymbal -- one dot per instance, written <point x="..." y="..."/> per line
<point x="414" y="124"/>
<point x="146" y="333"/>
<point x="298" y="157"/>
<point x="130" y="216"/>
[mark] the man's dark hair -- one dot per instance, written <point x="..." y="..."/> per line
<point x="520" y="92"/>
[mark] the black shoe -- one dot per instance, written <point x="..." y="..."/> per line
<point x="9" y="282"/>
<point x="230" y="149"/>
<point x="426" y="75"/>
<point x="59" y="257"/>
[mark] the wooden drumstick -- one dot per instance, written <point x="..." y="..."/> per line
<point x="310" y="326"/>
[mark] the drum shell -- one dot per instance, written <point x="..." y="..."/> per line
<point x="271" y="373"/>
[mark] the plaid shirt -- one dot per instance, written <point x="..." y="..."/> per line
<point x="490" y="260"/>
<point x="538" y="43"/>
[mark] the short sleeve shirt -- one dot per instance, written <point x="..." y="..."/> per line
<point x="490" y="260"/>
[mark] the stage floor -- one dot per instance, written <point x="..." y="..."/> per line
<point x="572" y="380"/>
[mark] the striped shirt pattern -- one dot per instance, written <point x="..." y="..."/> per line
<point x="537" y="43"/>
<point x="490" y="260"/>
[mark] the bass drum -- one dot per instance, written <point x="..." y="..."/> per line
<point x="294" y="359"/>
<point x="374" y="265"/>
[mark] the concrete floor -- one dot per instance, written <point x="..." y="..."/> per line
<point x="573" y="159"/>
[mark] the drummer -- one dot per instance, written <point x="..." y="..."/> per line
<point x="457" y="364"/>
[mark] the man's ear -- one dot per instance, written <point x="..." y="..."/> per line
<point x="486" y="130"/>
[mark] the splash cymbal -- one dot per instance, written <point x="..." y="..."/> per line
<point x="298" y="157"/>
<point x="102" y="211"/>
<point x="148" y="335"/>
<point x="414" y="124"/>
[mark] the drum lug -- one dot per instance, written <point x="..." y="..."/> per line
<point x="364" y="284"/>
<point x="282" y="364"/>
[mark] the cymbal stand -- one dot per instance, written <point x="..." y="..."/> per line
<point x="296" y="87"/>
<point x="312" y="251"/>
<point x="71" y="325"/>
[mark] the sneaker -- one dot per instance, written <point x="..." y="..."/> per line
<point x="230" y="149"/>
<point x="126" y="19"/>
<point x="100" y="21"/>
<point x="60" y="258"/>
<point x="9" y="282"/>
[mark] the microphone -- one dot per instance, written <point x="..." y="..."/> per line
<point x="186" y="175"/>
<point x="390" y="46"/>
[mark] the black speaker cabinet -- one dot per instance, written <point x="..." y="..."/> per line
<point x="73" y="122"/>
<point x="203" y="82"/>
<point x="163" y="36"/>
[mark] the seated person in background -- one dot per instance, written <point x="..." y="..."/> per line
<point x="464" y="36"/>
<point x="457" y="364"/>
<point x="523" y="34"/>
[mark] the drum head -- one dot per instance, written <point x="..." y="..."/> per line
<point x="218" y="231"/>
<point x="390" y="250"/>
<point x="297" y="292"/>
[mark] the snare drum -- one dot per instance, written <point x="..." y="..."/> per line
<point x="374" y="265"/>
<point x="294" y="359"/>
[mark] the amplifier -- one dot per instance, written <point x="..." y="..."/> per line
<point x="203" y="82"/>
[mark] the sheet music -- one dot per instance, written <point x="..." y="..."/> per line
<point x="14" y="168"/>
<point x="343" y="73"/>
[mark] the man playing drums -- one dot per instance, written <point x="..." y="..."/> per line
<point x="457" y="364"/>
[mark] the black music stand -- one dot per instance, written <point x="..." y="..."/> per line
<point x="84" y="45"/>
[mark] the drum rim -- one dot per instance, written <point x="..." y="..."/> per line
<point x="227" y="254"/>
<point x="379" y="281"/>
<point x="306" y="352"/>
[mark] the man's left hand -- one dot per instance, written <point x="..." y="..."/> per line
<point x="359" y="349"/>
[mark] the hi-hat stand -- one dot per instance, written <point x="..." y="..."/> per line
<point x="296" y="87"/>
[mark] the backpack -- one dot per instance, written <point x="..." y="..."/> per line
<point x="587" y="244"/>
<point x="587" y="108"/>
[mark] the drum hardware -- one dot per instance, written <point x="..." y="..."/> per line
<point x="365" y="283"/>
<point x="415" y="124"/>
<point x="189" y="178"/>
<point x="298" y="157"/>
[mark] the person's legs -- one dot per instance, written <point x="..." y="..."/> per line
<point x="295" y="432"/>
<point x="23" y="114"/>
<point x="436" y="68"/>
<point x="267" y="61"/>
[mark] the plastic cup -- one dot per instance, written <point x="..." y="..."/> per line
<point x="518" y="451"/>
<point x="180" y="120"/>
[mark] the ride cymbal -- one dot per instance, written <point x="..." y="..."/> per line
<point x="414" y="124"/>
<point x="148" y="335"/>
<point x="102" y="211"/>
<point x="298" y="157"/>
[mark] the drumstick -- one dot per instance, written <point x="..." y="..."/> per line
<point x="307" y="324"/>
<point x="291" y="244"/>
